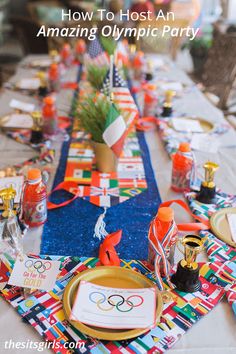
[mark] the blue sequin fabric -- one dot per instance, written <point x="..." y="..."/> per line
<point x="70" y="230"/>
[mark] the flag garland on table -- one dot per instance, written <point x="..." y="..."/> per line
<point x="121" y="95"/>
<point x="96" y="55"/>
<point x="115" y="129"/>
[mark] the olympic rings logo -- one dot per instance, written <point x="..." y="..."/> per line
<point x="115" y="301"/>
<point x="38" y="265"/>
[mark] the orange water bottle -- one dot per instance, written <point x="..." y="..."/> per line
<point x="54" y="77"/>
<point x="162" y="230"/>
<point x="150" y="100"/>
<point x="138" y="63"/>
<point x="34" y="199"/>
<point x="80" y="49"/>
<point x="66" y="55"/>
<point x="49" y="116"/>
<point x="182" y="168"/>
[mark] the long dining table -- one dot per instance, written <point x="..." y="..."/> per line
<point x="215" y="333"/>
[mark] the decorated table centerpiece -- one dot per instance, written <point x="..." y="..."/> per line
<point x="99" y="117"/>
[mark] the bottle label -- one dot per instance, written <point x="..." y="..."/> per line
<point x="181" y="178"/>
<point x="50" y="125"/>
<point x="35" y="212"/>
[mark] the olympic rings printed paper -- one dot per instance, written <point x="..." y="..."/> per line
<point x="116" y="301"/>
<point x="34" y="273"/>
<point x="114" y="307"/>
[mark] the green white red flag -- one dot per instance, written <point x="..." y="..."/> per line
<point x="115" y="131"/>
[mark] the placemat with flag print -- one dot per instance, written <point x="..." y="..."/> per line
<point x="217" y="250"/>
<point x="171" y="138"/>
<point x="45" y="313"/>
<point x="45" y="153"/>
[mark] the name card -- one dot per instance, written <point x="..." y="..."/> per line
<point x="187" y="125"/>
<point x="232" y="225"/>
<point x="205" y="142"/>
<point x="22" y="106"/>
<point x="34" y="273"/>
<point x="24" y="121"/>
<point x="106" y="307"/>
<point x="29" y="84"/>
<point x="43" y="63"/>
<point x="174" y="86"/>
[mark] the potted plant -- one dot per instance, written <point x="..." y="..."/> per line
<point x="92" y="115"/>
<point x="198" y="49"/>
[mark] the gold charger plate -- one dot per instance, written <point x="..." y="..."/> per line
<point x="220" y="226"/>
<point x="207" y="126"/>
<point x="110" y="277"/>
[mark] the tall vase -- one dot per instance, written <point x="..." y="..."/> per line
<point x="106" y="160"/>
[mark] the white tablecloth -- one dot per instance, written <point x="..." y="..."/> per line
<point x="216" y="332"/>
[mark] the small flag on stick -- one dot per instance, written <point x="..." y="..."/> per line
<point x="96" y="55"/>
<point x="121" y="95"/>
<point x="115" y="129"/>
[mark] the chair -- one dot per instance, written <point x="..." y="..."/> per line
<point x="219" y="73"/>
<point x="26" y="31"/>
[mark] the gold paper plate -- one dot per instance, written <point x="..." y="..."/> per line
<point x="207" y="126"/>
<point x="111" y="277"/>
<point x="220" y="226"/>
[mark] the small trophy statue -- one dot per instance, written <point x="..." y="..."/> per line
<point x="54" y="56"/>
<point x="167" y="106"/>
<point x="208" y="188"/>
<point x="149" y="75"/>
<point x="133" y="49"/>
<point x="43" y="90"/>
<point x="11" y="232"/>
<point x="187" y="276"/>
<point x="8" y="195"/>
<point x="37" y="134"/>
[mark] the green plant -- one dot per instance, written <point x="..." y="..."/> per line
<point x="92" y="114"/>
<point x="108" y="44"/>
<point x="201" y="44"/>
<point x="96" y="76"/>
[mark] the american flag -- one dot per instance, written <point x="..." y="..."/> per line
<point x="121" y="95"/>
<point x="96" y="55"/>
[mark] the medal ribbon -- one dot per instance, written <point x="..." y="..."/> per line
<point x="68" y="186"/>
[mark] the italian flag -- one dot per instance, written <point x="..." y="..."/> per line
<point x="114" y="133"/>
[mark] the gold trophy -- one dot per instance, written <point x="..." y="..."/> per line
<point x="208" y="188"/>
<point x="133" y="49"/>
<point x="54" y="55"/>
<point x="43" y="89"/>
<point x="167" y="106"/>
<point x="187" y="276"/>
<point x="8" y="195"/>
<point x="37" y="134"/>
<point x="149" y="73"/>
